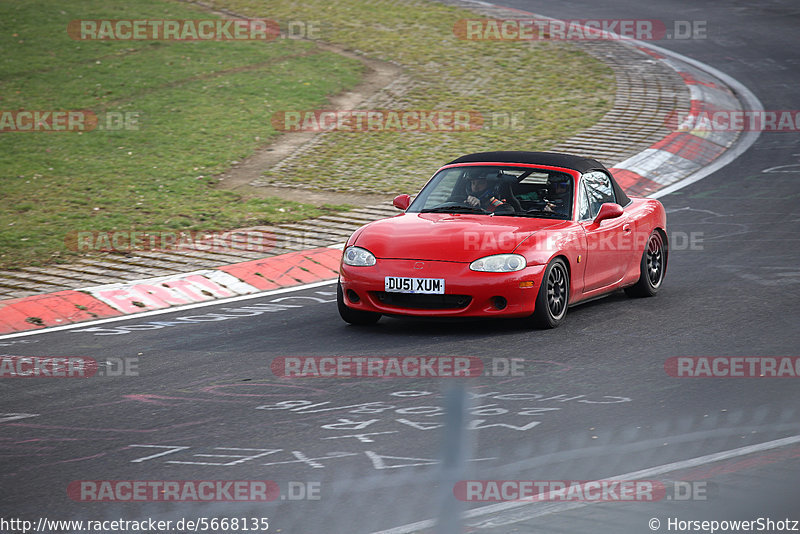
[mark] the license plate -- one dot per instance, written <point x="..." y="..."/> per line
<point x="399" y="284"/>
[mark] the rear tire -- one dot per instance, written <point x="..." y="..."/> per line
<point x="652" y="268"/>
<point x="553" y="297"/>
<point x="355" y="317"/>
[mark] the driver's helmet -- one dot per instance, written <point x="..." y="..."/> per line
<point x="481" y="173"/>
<point x="558" y="187"/>
<point x="477" y="174"/>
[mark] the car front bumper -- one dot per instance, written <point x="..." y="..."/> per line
<point x="467" y="293"/>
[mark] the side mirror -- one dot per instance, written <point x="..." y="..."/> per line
<point x="402" y="202"/>
<point x="609" y="210"/>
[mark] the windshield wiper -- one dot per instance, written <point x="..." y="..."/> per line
<point x="539" y="213"/>
<point x="454" y="209"/>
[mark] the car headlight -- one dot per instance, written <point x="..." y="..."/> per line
<point x="499" y="263"/>
<point x="358" y="257"/>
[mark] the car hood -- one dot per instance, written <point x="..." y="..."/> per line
<point x="447" y="237"/>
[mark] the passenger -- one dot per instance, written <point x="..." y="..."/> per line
<point x="482" y="190"/>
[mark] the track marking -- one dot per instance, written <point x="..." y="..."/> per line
<point x="171" y="310"/>
<point x="750" y="100"/>
<point x="562" y="507"/>
<point x="744" y="142"/>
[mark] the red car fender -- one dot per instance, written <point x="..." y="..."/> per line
<point x="567" y="241"/>
<point x="646" y="216"/>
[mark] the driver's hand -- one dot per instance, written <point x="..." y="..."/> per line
<point x="549" y="206"/>
<point x="473" y="201"/>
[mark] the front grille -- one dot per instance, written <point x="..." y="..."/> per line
<point x="422" y="302"/>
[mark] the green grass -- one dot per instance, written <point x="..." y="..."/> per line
<point x="203" y="105"/>
<point x="200" y="106"/>
<point x="557" y="89"/>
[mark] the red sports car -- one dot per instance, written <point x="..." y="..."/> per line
<point x="513" y="234"/>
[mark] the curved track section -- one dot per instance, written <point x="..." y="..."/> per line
<point x="597" y="398"/>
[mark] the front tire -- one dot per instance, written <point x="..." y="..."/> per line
<point x="553" y="297"/>
<point x="652" y="268"/>
<point x="349" y="315"/>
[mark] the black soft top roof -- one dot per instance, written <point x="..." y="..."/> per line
<point x="553" y="159"/>
<point x="541" y="158"/>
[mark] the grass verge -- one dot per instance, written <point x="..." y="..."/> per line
<point x="553" y="87"/>
<point x="203" y="105"/>
<point x="199" y="106"/>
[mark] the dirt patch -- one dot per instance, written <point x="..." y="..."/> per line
<point x="241" y="176"/>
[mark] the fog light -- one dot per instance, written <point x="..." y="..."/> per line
<point x="353" y="296"/>
<point x="499" y="303"/>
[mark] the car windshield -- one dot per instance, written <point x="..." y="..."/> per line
<point x="498" y="190"/>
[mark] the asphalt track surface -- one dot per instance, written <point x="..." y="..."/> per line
<point x="206" y="405"/>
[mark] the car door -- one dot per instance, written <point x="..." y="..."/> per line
<point x="606" y="242"/>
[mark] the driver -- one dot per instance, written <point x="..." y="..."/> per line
<point x="480" y="192"/>
<point x="558" y="195"/>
